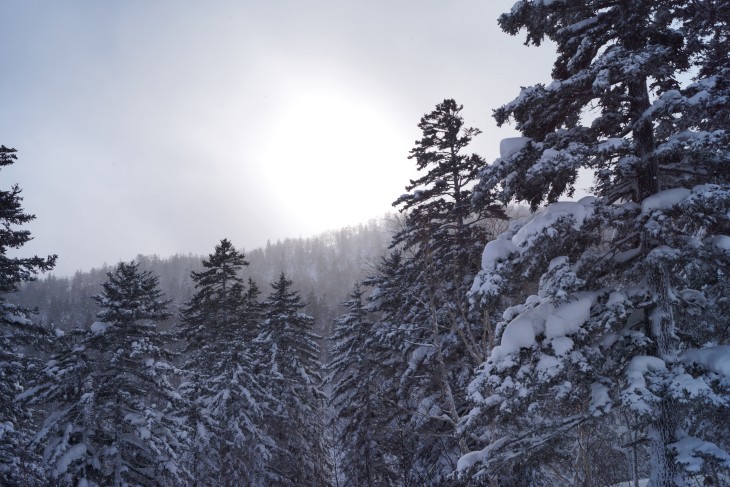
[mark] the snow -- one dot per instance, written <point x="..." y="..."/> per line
<point x="99" y="327"/>
<point x="74" y="453"/>
<point x="664" y="199"/>
<point x="692" y="296"/>
<point x="600" y="400"/>
<point x="524" y="233"/>
<point x="496" y="251"/>
<point x="690" y="450"/>
<point x="636" y="394"/>
<point x="561" y="345"/>
<point x="579" y="25"/>
<point x="568" y="318"/>
<point x="470" y="459"/>
<point x="548" y="367"/>
<point x="510" y="145"/>
<point x="721" y="242"/>
<point x="543" y="219"/>
<point x="522" y="331"/>
<point x="548" y="319"/>
<point x="715" y="359"/>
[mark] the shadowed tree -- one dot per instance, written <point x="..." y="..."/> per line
<point x="17" y="332"/>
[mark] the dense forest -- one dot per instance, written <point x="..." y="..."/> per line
<point x="322" y="268"/>
<point x="460" y="343"/>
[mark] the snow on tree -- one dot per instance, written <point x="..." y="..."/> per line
<point x="65" y="390"/>
<point x="17" y="332"/>
<point x="360" y="411"/>
<point x="390" y="285"/>
<point x="114" y="422"/>
<point x="440" y="241"/>
<point x="294" y="381"/>
<point x="219" y="323"/>
<point x="624" y="307"/>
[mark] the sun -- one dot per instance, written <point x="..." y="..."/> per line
<point x="333" y="157"/>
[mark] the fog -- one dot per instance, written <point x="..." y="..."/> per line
<point x="162" y="127"/>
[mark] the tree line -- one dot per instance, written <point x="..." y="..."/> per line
<point x="583" y="344"/>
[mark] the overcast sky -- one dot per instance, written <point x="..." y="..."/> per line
<point x="160" y="127"/>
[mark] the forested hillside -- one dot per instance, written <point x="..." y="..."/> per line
<point x="462" y="342"/>
<point x="323" y="269"/>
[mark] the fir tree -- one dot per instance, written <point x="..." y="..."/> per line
<point x="295" y="381"/>
<point x="358" y="404"/>
<point x="621" y="321"/>
<point x="17" y="332"/>
<point x="441" y="238"/>
<point x="116" y="425"/>
<point x="219" y="323"/>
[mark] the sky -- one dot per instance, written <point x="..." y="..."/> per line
<point x="161" y="127"/>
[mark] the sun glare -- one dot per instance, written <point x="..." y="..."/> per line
<point x="332" y="158"/>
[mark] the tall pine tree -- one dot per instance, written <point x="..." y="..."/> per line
<point x="440" y="335"/>
<point x="219" y="324"/>
<point x="296" y="425"/>
<point x="628" y="309"/>
<point x="361" y="416"/>
<point x="17" y="332"/>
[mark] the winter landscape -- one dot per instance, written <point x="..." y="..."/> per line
<point x="548" y="308"/>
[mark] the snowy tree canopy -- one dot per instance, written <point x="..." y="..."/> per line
<point x="16" y="330"/>
<point x="623" y="295"/>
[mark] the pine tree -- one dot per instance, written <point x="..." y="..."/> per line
<point x="358" y="404"/>
<point x="65" y="390"/>
<point x="440" y="219"/>
<point x="120" y="417"/>
<point x="628" y="310"/>
<point x="441" y="238"/>
<point x="295" y="381"/>
<point x="219" y="323"/>
<point x="390" y="287"/>
<point x="17" y="332"/>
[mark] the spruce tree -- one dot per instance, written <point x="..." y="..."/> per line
<point x="17" y="332"/>
<point x="219" y="323"/>
<point x="390" y="287"/>
<point x="441" y="239"/>
<point x="360" y="417"/>
<point x="622" y="306"/>
<point x="121" y="415"/>
<point x="65" y="389"/>
<point x="295" y="382"/>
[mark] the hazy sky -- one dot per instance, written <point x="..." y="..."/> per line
<point x="163" y="126"/>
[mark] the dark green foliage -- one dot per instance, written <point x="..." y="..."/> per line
<point x="295" y="381"/>
<point x="357" y="397"/>
<point x="18" y="334"/>
<point x="223" y="389"/>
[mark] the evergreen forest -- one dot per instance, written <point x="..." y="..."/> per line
<point x="493" y="331"/>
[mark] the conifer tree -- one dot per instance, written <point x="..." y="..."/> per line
<point x="357" y="401"/>
<point x="295" y="381"/>
<point x="16" y="330"/>
<point x="620" y="320"/>
<point x="65" y="389"/>
<point x="387" y="302"/>
<point x="219" y="323"/>
<point x="441" y="239"/>
<point x="114" y="422"/>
